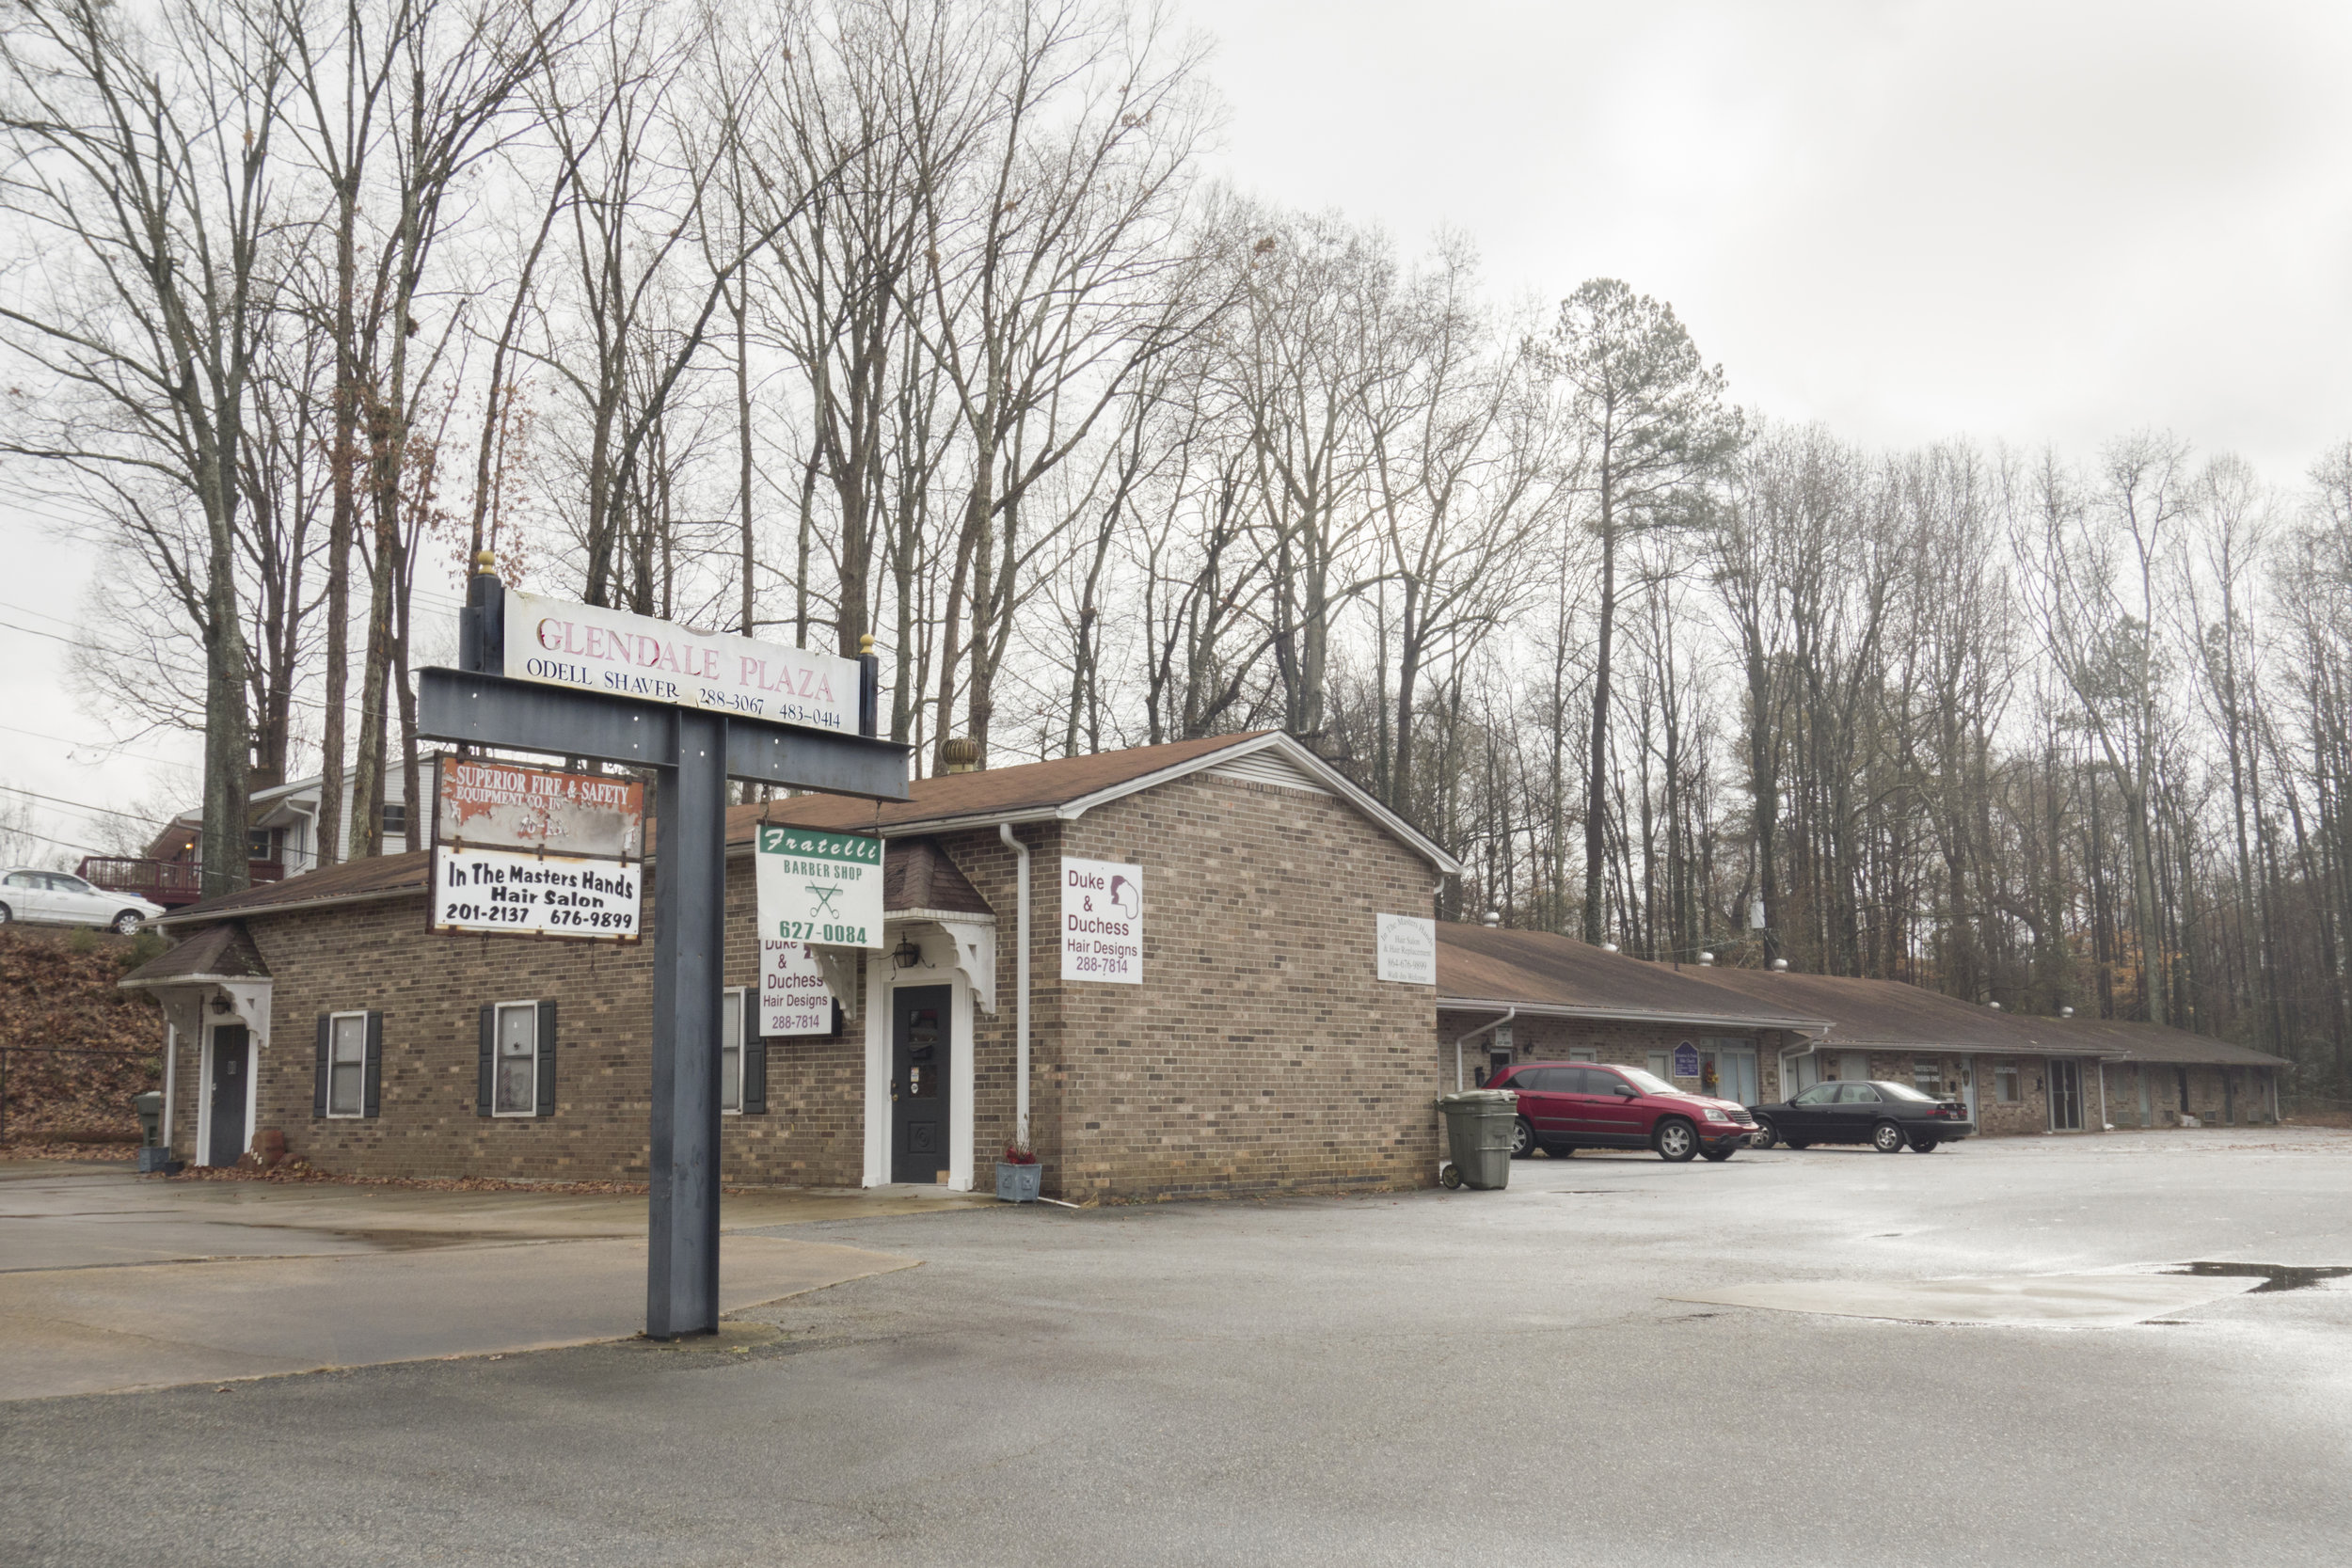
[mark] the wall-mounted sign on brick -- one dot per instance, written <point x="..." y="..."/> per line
<point x="1408" y="949"/>
<point x="825" y="888"/>
<point x="793" y="997"/>
<point x="1102" y="921"/>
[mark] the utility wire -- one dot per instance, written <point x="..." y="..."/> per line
<point x="76" y="805"/>
<point x="117" y="751"/>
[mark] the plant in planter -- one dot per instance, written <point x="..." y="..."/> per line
<point x="1017" y="1174"/>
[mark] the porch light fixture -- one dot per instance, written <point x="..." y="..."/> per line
<point x="220" y="1003"/>
<point x="906" y="955"/>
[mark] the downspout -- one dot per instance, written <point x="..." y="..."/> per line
<point x="172" y="1063"/>
<point x="1495" y="1024"/>
<point x="1021" y="987"/>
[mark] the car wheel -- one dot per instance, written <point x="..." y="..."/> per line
<point x="1924" y="1145"/>
<point x="1886" y="1138"/>
<point x="128" y="923"/>
<point x="1795" y="1143"/>
<point x="1675" y="1140"/>
<point x="1522" y="1139"/>
<point x="1765" y="1135"/>
<point x="1718" y="1155"/>
<point x="6" y="914"/>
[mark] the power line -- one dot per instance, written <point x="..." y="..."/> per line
<point x="62" y="843"/>
<point x="76" y="805"/>
<point x="117" y="751"/>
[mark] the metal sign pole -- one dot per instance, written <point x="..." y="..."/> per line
<point x="690" y="898"/>
<point x="692" y="753"/>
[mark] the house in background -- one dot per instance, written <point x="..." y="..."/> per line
<point x="282" y="841"/>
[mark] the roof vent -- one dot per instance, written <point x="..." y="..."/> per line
<point x="1995" y="1006"/>
<point x="1494" y="917"/>
<point x="1609" y="947"/>
<point x="960" y="753"/>
<point x="2066" y="1012"/>
<point x="1780" y="966"/>
<point x="1706" y="960"/>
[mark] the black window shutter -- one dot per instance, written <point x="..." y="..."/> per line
<point x="318" y="1087"/>
<point x="482" y="1069"/>
<point x="372" y="1102"/>
<point x="754" y="1056"/>
<point x="546" y="1095"/>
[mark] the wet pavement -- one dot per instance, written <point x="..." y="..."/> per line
<point x="1421" y="1378"/>
<point x="112" y="1282"/>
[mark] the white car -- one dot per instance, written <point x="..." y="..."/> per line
<point x="60" y="898"/>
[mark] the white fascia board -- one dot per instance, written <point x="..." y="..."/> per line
<point x="1627" y="1015"/>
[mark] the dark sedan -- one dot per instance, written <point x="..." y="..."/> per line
<point x="1887" y="1117"/>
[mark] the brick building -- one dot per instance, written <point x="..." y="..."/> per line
<point x="1760" y="1035"/>
<point x="1258" y="1051"/>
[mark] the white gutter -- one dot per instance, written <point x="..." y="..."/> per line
<point x="1472" y="1035"/>
<point x="1021" y="987"/>
<point x="1630" y="1015"/>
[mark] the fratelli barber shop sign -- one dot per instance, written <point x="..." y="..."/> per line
<point x="821" y="888"/>
<point x="558" y="643"/>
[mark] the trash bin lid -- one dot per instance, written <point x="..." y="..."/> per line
<point x="152" y="1102"/>
<point x="1479" y="1097"/>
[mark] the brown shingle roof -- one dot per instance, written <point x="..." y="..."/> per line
<point x="917" y="875"/>
<point x="373" y="878"/>
<point x="1479" y="963"/>
<point x="223" y="951"/>
<point x="1031" y="787"/>
<point x="1905" y="1017"/>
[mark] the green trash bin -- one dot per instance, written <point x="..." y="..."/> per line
<point x="1478" y="1125"/>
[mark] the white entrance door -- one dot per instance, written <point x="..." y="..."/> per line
<point x="1735" y="1076"/>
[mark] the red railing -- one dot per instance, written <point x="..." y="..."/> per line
<point x="169" y="884"/>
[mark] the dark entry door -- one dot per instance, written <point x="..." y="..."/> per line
<point x="920" y="1049"/>
<point x="2066" y="1095"/>
<point x="231" y="1061"/>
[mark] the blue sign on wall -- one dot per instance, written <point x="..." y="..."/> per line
<point x="1686" y="1060"/>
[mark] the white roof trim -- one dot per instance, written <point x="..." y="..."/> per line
<point x="1628" y="1015"/>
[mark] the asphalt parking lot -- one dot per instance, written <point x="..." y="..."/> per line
<point x="1418" y="1378"/>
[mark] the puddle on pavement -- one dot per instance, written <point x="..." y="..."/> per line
<point x="2274" y="1276"/>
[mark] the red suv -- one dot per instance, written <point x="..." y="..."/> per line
<point x="1565" y="1106"/>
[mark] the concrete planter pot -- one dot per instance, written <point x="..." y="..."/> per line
<point x="1018" y="1183"/>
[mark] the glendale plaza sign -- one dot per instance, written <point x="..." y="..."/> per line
<point x="570" y="680"/>
<point x="589" y="649"/>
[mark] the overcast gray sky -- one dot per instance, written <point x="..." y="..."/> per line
<point x="2029" y="223"/>
<point x="1908" y="220"/>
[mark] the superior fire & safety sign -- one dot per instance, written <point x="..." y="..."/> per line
<point x="528" y="895"/>
<point x="793" y="996"/>
<point x="559" y="643"/>
<point x="505" y="805"/>
<point x="497" y="828"/>
<point x="1102" y="921"/>
<point x="819" y="887"/>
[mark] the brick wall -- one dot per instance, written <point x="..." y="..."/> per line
<point x="1621" y="1043"/>
<point x="430" y="990"/>
<point x="1259" y="1055"/>
<point x="1261" y="1052"/>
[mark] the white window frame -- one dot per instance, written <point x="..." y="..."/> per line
<point x="1934" y="1070"/>
<point x="1661" y="1065"/>
<point x="359" y="1112"/>
<point x="732" y="1018"/>
<point x="498" y="1016"/>
<point x="2012" y="1078"/>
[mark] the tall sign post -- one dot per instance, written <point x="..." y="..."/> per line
<point x="539" y="674"/>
